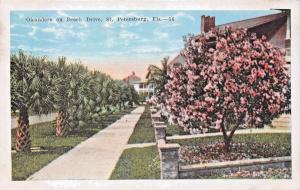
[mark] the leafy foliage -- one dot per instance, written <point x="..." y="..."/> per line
<point x="80" y="96"/>
<point x="30" y="80"/>
<point x="159" y="77"/>
<point x="230" y="78"/>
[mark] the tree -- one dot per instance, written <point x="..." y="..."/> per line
<point x="78" y="90"/>
<point x="69" y="90"/>
<point x="158" y="77"/>
<point x="78" y="95"/>
<point x="95" y="101"/>
<point x="123" y="94"/>
<point x="30" y="81"/>
<point x="133" y="96"/>
<point x="230" y="78"/>
<point x="60" y="88"/>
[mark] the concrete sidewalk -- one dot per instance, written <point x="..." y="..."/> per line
<point x="34" y="119"/>
<point x="96" y="157"/>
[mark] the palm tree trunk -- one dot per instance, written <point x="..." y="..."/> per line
<point x="60" y="124"/>
<point x="23" y="137"/>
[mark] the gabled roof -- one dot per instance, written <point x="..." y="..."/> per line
<point x="253" y="22"/>
<point x="132" y="78"/>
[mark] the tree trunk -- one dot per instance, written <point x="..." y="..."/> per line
<point x="227" y="138"/>
<point x="60" y="124"/>
<point x="23" y="137"/>
<point x="227" y="145"/>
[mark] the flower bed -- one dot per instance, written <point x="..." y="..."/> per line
<point x="278" y="173"/>
<point x="213" y="151"/>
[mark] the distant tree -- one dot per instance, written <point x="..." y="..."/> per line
<point x="158" y="76"/>
<point x="133" y="96"/>
<point x="230" y="78"/>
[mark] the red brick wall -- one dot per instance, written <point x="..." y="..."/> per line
<point x="207" y="23"/>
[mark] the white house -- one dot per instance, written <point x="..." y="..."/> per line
<point x="141" y="86"/>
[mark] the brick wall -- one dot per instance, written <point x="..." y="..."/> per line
<point x="207" y="23"/>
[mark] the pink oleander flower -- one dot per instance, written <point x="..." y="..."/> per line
<point x="243" y="101"/>
<point x="218" y="45"/>
<point x="261" y="73"/>
<point x="237" y="80"/>
<point x="236" y="67"/>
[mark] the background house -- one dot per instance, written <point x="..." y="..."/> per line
<point x="143" y="88"/>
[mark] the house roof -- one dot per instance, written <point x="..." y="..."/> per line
<point x="254" y="22"/>
<point x="132" y="78"/>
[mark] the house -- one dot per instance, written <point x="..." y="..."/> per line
<point x="142" y="87"/>
<point x="277" y="29"/>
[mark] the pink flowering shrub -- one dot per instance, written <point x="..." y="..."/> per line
<point x="152" y="101"/>
<point x="229" y="79"/>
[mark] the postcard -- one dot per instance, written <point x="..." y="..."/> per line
<point x="197" y="95"/>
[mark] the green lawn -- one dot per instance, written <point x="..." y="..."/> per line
<point x="138" y="163"/>
<point x="144" y="163"/>
<point x="246" y="146"/>
<point x="143" y="131"/>
<point x="43" y="135"/>
<point x="175" y="130"/>
<point x="279" y="139"/>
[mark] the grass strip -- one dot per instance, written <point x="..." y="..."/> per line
<point x="42" y="135"/>
<point x="282" y="139"/>
<point x="143" y="131"/>
<point x="138" y="163"/>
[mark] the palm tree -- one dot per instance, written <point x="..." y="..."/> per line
<point x="158" y="76"/>
<point x="60" y="89"/>
<point x="30" y="82"/>
<point x="108" y="93"/>
<point x="70" y="95"/>
<point x="96" y="97"/>
<point x="78" y="91"/>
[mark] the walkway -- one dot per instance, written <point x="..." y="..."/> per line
<point x="140" y="145"/>
<point x="96" y="157"/>
<point x="33" y="119"/>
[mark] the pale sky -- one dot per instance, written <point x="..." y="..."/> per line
<point x="116" y="48"/>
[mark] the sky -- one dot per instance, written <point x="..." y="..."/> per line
<point x="116" y="48"/>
